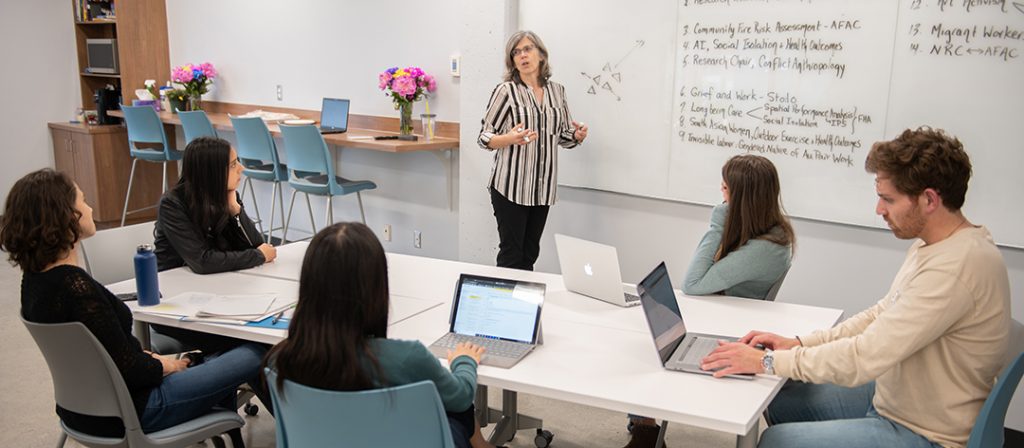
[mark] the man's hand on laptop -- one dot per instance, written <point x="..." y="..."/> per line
<point x="733" y="358"/>
<point x="465" y="348"/>
<point x="769" y="340"/>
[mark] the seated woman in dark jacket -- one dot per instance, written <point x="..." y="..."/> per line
<point x="201" y="222"/>
<point x="44" y="219"/>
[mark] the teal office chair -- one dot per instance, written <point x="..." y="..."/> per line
<point x="258" y="152"/>
<point x="311" y="171"/>
<point x="774" y="291"/>
<point x="409" y="415"/>
<point x="988" y="429"/>
<point x="196" y="124"/>
<point x="86" y="381"/>
<point x="144" y="126"/>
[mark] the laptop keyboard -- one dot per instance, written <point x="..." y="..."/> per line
<point x="700" y="348"/>
<point x="495" y="347"/>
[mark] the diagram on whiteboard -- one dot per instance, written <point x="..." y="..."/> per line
<point x="610" y="77"/>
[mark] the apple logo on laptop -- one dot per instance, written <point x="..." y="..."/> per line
<point x="588" y="269"/>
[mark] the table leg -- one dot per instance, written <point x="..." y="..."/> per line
<point x="511" y="421"/>
<point x="750" y="439"/>
<point x="142" y="334"/>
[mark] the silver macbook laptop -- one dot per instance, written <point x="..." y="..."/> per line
<point x="678" y="349"/>
<point x="334" y="116"/>
<point x="501" y="315"/>
<point x="592" y="269"/>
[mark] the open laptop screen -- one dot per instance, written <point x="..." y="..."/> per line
<point x="662" y="311"/>
<point x="497" y="308"/>
<point x="334" y="114"/>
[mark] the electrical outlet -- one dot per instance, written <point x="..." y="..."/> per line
<point x="387" y="232"/>
<point x="280" y="93"/>
<point x="417" y="239"/>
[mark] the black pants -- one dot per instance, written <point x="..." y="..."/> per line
<point x="463" y="425"/>
<point x="519" y="229"/>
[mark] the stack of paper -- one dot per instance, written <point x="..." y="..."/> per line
<point x="228" y="309"/>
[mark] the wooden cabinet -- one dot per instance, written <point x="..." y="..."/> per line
<point x="97" y="159"/>
<point x="140" y="28"/>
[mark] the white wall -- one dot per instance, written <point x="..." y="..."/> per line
<point x="318" y="48"/>
<point x="40" y="84"/>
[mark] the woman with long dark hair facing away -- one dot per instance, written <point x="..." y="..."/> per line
<point x="527" y="119"/>
<point x="43" y="221"/>
<point x="750" y="243"/>
<point x="337" y="337"/>
<point x="201" y="222"/>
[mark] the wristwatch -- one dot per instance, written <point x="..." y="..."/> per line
<point x="768" y="361"/>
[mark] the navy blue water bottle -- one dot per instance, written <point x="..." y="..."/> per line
<point x="145" y="276"/>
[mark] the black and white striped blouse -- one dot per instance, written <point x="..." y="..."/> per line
<point x="527" y="174"/>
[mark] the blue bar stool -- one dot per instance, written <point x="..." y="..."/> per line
<point x="311" y="171"/>
<point x="196" y="124"/>
<point x="258" y="152"/>
<point x="144" y="126"/>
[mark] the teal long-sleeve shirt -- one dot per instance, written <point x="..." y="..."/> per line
<point x="749" y="271"/>
<point x="404" y="362"/>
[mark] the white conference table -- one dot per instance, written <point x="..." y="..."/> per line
<point x="594" y="353"/>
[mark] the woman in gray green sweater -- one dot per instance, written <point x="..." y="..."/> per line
<point x="749" y="246"/>
<point x="745" y="253"/>
<point x="337" y="338"/>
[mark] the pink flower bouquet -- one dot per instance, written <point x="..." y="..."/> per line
<point x="406" y="85"/>
<point x="195" y="79"/>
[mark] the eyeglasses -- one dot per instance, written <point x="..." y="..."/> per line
<point x="234" y="163"/>
<point x="526" y="49"/>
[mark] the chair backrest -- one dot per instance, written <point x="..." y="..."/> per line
<point x="110" y="253"/>
<point x="777" y="286"/>
<point x="196" y="124"/>
<point x="254" y="141"/>
<point x="988" y="428"/>
<point x="308" y="416"/>
<point x="307" y="151"/>
<point x="144" y="126"/>
<point x="85" y="379"/>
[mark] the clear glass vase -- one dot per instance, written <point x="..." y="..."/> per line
<point x="405" y="125"/>
<point x="195" y="101"/>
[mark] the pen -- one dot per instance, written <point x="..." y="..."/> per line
<point x="277" y="317"/>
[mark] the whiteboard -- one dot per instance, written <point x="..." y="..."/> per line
<point x="808" y="84"/>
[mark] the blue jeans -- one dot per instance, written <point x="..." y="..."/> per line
<point x="825" y="415"/>
<point x="196" y="391"/>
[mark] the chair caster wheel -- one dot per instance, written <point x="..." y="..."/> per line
<point x="543" y="438"/>
<point x="251" y="410"/>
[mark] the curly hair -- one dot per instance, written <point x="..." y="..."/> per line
<point x="924" y="158"/>
<point x="40" y="221"/>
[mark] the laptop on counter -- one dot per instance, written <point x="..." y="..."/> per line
<point x="501" y="315"/>
<point x="334" y="116"/>
<point x="592" y="269"/>
<point x="677" y="348"/>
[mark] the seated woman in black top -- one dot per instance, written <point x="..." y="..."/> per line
<point x="44" y="219"/>
<point x="201" y="222"/>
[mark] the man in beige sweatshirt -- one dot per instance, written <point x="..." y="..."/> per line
<point x="914" y="369"/>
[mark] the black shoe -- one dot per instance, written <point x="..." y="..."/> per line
<point x="194" y="358"/>
<point x="643" y="436"/>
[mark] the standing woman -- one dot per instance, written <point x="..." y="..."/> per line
<point x="526" y="120"/>
<point x="45" y="218"/>
<point x="749" y="246"/>
<point x="201" y="222"/>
